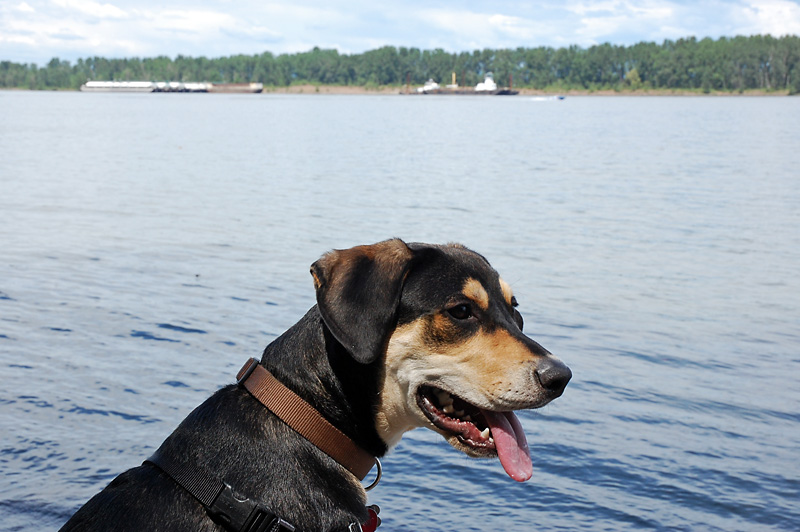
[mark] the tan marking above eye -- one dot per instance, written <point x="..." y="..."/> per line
<point x="508" y="294"/>
<point x="475" y="291"/>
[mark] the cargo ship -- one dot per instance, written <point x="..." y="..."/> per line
<point x="487" y="87"/>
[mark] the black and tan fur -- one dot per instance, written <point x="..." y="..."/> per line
<point x="391" y="320"/>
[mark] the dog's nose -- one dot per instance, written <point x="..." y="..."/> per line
<point x="553" y="375"/>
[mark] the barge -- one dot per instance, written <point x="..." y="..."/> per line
<point x="170" y="86"/>
<point x="236" y="87"/>
<point x="118" y="86"/>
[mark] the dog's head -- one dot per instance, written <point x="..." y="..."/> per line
<point x="444" y="327"/>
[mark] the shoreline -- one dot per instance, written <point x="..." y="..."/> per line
<point x="310" y="89"/>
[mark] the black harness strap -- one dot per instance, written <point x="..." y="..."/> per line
<point x="234" y="512"/>
<point x="240" y="514"/>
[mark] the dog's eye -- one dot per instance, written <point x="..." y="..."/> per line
<point x="460" y="312"/>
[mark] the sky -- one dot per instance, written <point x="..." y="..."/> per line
<point x="35" y="31"/>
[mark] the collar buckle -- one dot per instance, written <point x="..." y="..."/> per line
<point x="243" y="515"/>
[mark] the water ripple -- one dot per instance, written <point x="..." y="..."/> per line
<point x="656" y="257"/>
<point x="181" y="329"/>
<point x="149" y="336"/>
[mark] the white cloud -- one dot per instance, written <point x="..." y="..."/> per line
<point x="595" y="29"/>
<point x="70" y="29"/>
<point x="646" y="9"/>
<point x="92" y="9"/>
<point x="777" y="17"/>
<point x="601" y="21"/>
<point x="36" y="30"/>
<point x="196" y="22"/>
<point x="455" y="21"/>
<point x="24" y="7"/>
<point x="588" y="8"/>
<point x="515" y="27"/>
<point x="470" y="30"/>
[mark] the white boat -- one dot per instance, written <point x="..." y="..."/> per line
<point x="487" y="84"/>
<point x="429" y="86"/>
<point x="547" y="98"/>
<point x="486" y="87"/>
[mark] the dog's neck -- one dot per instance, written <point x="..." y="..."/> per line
<point x="306" y="360"/>
<point x="329" y="379"/>
<point x="304" y="419"/>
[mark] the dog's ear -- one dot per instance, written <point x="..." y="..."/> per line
<point x="358" y="292"/>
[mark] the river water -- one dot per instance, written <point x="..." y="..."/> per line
<point x="150" y="243"/>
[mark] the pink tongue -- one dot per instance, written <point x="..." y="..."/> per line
<point x="512" y="447"/>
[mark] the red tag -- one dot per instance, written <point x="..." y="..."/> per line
<point x="374" y="521"/>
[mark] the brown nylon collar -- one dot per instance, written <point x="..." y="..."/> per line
<point x="304" y="419"/>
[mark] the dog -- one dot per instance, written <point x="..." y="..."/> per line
<point x="402" y="336"/>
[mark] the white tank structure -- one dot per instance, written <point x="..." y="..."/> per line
<point x="118" y="86"/>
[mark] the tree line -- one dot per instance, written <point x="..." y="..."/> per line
<point x="725" y="64"/>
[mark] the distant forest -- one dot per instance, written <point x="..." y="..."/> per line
<point x="725" y="64"/>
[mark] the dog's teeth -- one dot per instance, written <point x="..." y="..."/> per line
<point x="444" y="398"/>
<point x="459" y="413"/>
<point x="485" y="433"/>
<point x="448" y="409"/>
